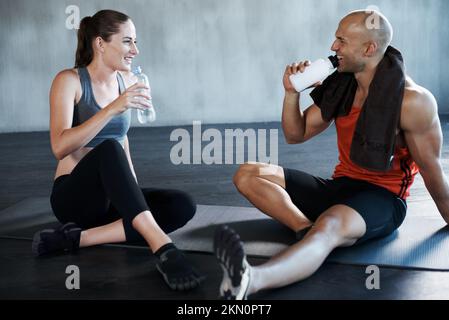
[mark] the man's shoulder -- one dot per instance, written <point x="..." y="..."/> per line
<point x="416" y="96"/>
<point x="418" y="106"/>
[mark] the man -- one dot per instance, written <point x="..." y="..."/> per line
<point x="358" y="204"/>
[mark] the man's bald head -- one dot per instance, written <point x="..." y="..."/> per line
<point x="373" y="25"/>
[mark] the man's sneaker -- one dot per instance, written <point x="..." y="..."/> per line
<point x="236" y="271"/>
<point x="64" y="238"/>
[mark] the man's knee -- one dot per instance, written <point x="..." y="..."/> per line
<point x="243" y="174"/>
<point x="328" y="227"/>
<point x="339" y="227"/>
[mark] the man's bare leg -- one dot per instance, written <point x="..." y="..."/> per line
<point x="264" y="186"/>
<point x="338" y="226"/>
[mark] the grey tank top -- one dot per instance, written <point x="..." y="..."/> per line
<point x="116" y="128"/>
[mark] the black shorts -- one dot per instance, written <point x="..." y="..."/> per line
<point x="382" y="210"/>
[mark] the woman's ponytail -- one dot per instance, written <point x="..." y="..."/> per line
<point x="84" y="51"/>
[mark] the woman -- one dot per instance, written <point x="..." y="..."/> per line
<point x="95" y="192"/>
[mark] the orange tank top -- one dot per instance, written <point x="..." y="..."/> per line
<point x="398" y="179"/>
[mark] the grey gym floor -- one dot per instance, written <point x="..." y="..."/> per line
<point x="27" y="169"/>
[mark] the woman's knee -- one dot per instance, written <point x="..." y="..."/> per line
<point x="184" y="207"/>
<point x="110" y="146"/>
<point x="111" y="149"/>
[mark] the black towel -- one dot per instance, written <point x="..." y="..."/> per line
<point x="375" y="134"/>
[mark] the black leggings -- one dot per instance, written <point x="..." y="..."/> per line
<point x="102" y="189"/>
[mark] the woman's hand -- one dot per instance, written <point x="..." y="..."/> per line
<point x="133" y="97"/>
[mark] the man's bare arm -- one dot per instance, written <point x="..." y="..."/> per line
<point x="299" y="126"/>
<point x="424" y="139"/>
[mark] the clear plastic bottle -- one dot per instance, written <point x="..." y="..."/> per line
<point x="149" y="114"/>
<point x="317" y="71"/>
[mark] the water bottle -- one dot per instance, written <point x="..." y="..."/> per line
<point x="148" y="114"/>
<point x="315" y="72"/>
